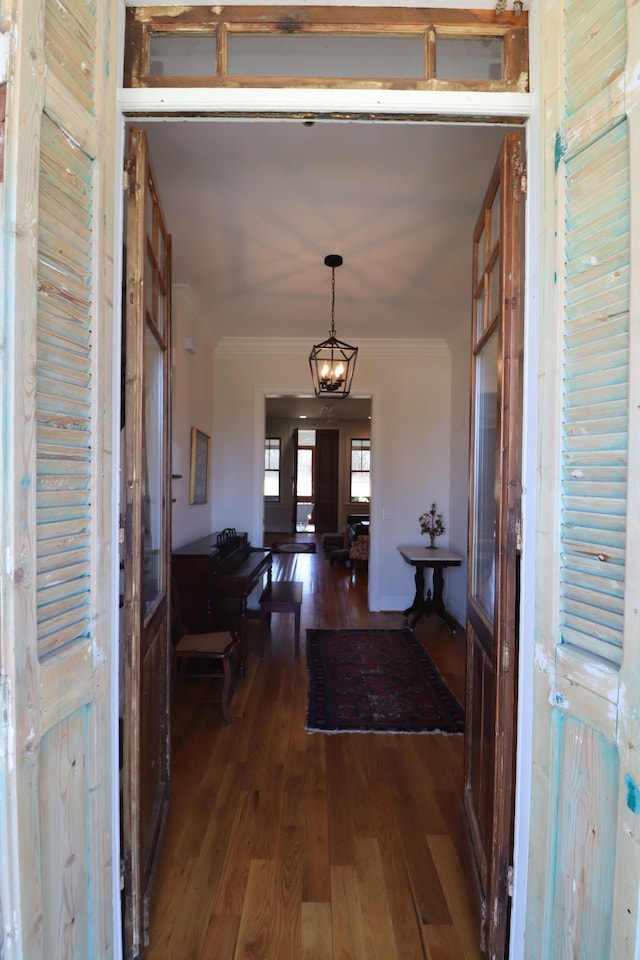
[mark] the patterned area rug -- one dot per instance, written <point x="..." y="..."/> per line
<point x="380" y="681"/>
<point x="283" y="546"/>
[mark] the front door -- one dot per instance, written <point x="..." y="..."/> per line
<point x="326" y="481"/>
<point x="145" y="776"/>
<point x="493" y="528"/>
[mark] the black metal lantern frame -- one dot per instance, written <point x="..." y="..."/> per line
<point x="332" y="362"/>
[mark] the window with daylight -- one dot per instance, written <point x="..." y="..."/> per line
<point x="272" y="468"/>
<point x="360" y="471"/>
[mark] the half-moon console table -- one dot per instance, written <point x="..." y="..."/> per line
<point x="437" y="559"/>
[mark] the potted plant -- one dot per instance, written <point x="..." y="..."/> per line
<point x="433" y="524"/>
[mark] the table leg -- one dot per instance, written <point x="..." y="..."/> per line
<point x="438" y="602"/>
<point x="418" y="600"/>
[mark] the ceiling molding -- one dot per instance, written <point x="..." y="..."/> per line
<point x="294" y="346"/>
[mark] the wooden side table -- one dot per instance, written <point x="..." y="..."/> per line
<point x="280" y="596"/>
<point x="437" y="559"/>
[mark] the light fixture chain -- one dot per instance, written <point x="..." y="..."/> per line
<point x="333" y="301"/>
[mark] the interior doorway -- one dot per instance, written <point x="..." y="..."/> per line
<point x="460" y="453"/>
<point x="293" y="464"/>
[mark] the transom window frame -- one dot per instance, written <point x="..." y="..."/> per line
<point x="430" y="24"/>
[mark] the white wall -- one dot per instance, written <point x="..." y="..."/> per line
<point x="411" y="387"/>
<point x="192" y="406"/>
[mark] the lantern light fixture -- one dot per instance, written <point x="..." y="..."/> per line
<point x="332" y="362"/>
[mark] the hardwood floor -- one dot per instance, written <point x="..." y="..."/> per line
<point x="284" y="845"/>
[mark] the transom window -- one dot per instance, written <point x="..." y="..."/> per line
<point x="411" y="49"/>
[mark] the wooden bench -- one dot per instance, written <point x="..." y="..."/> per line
<point x="221" y="647"/>
<point x="281" y="596"/>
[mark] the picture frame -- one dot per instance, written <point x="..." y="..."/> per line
<point x="199" y="472"/>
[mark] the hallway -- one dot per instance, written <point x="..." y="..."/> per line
<point x="283" y="845"/>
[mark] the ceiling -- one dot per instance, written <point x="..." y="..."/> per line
<point x="254" y="207"/>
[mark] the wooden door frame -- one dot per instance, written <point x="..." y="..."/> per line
<point x="411" y="106"/>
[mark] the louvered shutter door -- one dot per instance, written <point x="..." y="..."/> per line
<point x="59" y="877"/>
<point x="585" y="877"/>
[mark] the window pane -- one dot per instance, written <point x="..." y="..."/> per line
<point x="182" y="55"/>
<point x="272" y="468"/>
<point x="306" y="438"/>
<point x="360" y="487"/>
<point x="485" y="507"/>
<point x="480" y="261"/>
<point x="272" y="484"/>
<point x="480" y="313"/>
<point x="153" y="471"/>
<point x="494" y="291"/>
<point x="360" y="470"/>
<point x="475" y="58"/>
<point x="496" y="211"/>
<point x="305" y="473"/>
<point x="325" y="55"/>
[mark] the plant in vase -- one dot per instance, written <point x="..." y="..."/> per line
<point x="433" y="524"/>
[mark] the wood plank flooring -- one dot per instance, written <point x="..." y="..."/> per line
<point x="283" y="845"/>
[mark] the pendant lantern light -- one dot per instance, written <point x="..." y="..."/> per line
<point x="332" y="362"/>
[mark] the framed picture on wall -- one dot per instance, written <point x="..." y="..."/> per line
<point x="199" y="473"/>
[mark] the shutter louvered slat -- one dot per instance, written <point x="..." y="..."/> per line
<point x="598" y="647"/>
<point x="593" y="396"/>
<point x="56" y="634"/>
<point x="68" y="383"/>
<point x="58" y="577"/>
<point x="61" y="591"/>
<point x="609" y="573"/>
<point x="587" y="581"/>
<point x="584" y="362"/>
<point x="63" y="483"/>
<point x="602" y="623"/>
<point x="54" y="404"/>
<point x="600" y="497"/>
<point x="53" y="499"/>
<point x="65" y="164"/>
<point x="611" y="474"/>
<point x="52" y="325"/>
<point x="616" y="379"/>
<point x="72" y="356"/>
<point x="65" y="511"/>
<point x="65" y="608"/>
<point x="616" y="326"/>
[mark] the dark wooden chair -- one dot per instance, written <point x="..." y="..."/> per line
<point x="206" y="649"/>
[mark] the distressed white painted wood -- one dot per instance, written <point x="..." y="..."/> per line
<point x="166" y="101"/>
<point x="56" y="618"/>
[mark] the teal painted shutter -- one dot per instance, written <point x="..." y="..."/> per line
<point x="63" y="391"/>
<point x="596" y="339"/>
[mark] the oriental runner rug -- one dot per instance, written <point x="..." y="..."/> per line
<point x="376" y="681"/>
